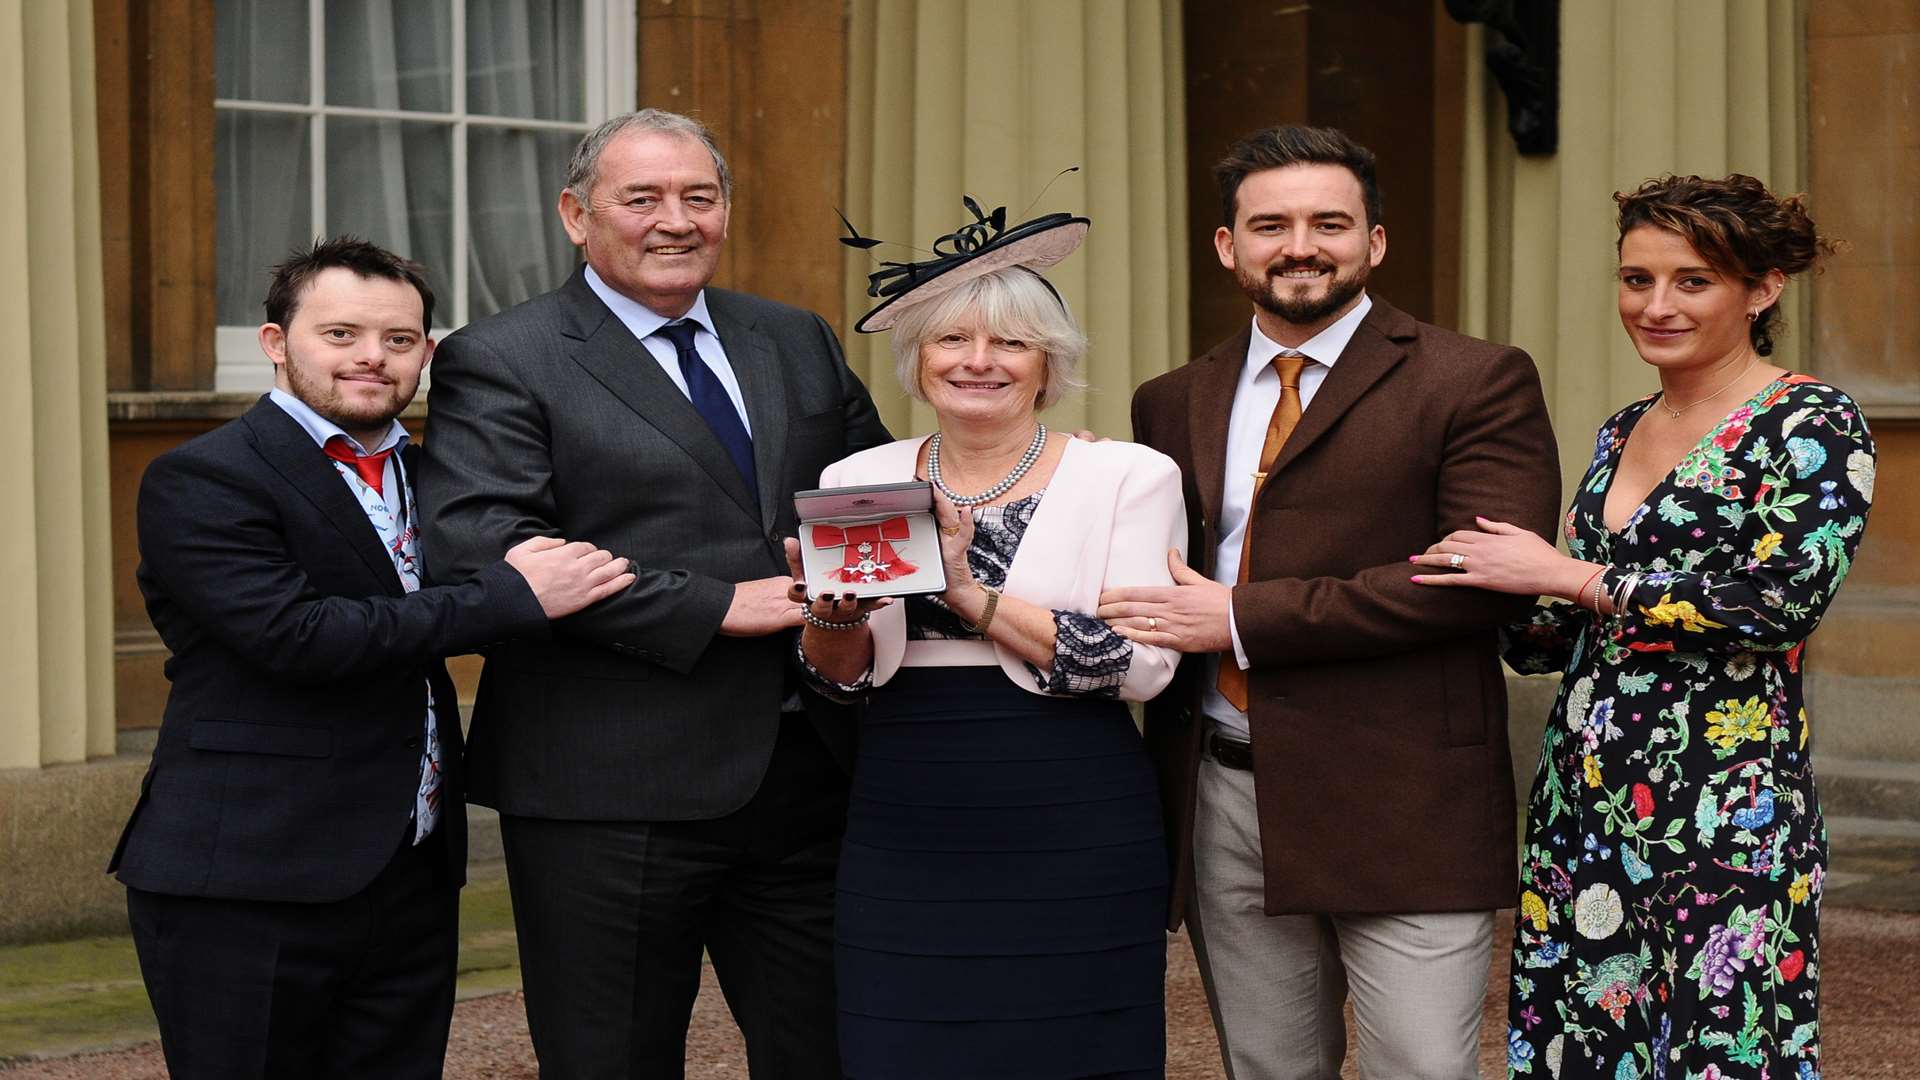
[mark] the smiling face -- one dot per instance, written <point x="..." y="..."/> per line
<point x="352" y="350"/>
<point x="971" y="375"/>
<point x="1300" y="247"/>
<point x="654" y="222"/>
<point x="1680" y="312"/>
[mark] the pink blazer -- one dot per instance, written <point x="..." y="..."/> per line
<point x="1111" y="513"/>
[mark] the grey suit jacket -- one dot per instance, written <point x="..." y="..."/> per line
<point x="551" y="419"/>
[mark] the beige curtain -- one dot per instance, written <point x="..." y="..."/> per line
<point x="992" y="98"/>
<point x="56" y="626"/>
<point x="1646" y="87"/>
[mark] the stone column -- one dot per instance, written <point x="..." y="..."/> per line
<point x="56" y="623"/>
<point x="1647" y="87"/>
<point x="992" y="98"/>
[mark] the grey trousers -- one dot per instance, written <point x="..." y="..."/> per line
<point x="1277" y="984"/>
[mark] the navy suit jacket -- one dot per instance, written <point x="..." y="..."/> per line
<point x="289" y="756"/>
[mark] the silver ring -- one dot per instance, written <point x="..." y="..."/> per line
<point x="1153" y="625"/>
<point x="1455" y="560"/>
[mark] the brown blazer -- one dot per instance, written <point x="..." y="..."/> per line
<point x="1378" y="708"/>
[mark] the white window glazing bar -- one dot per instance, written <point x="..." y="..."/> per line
<point x="457" y="273"/>
<point x="616" y="86"/>
<point x="361" y="112"/>
<point x="317" y="81"/>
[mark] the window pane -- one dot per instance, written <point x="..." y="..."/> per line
<point x="260" y="50"/>
<point x="263" y="173"/>
<point x="516" y="247"/>
<point x="390" y="54"/>
<point x="391" y="182"/>
<point x="526" y="58"/>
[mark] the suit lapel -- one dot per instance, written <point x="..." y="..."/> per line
<point x="608" y="351"/>
<point x="756" y="364"/>
<point x="1376" y="348"/>
<point x="291" y="452"/>
<point x="1210" y="411"/>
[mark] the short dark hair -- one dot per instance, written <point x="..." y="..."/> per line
<point x="1739" y="227"/>
<point x="1292" y="144"/>
<point x="368" y="260"/>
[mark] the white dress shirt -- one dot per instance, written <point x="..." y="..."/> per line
<point x="1254" y="399"/>
<point x="397" y="535"/>
<point x="643" y="322"/>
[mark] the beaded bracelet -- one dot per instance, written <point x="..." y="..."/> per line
<point x="807" y="616"/>
<point x="1597" y="589"/>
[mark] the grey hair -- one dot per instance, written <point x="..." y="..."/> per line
<point x="1014" y="303"/>
<point x="583" y="171"/>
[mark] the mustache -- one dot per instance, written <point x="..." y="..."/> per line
<point x="1301" y="264"/>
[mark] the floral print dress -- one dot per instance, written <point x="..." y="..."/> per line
<point x="1674" y="855"/>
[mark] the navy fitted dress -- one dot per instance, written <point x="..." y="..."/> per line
<point x="1003" y="884"/>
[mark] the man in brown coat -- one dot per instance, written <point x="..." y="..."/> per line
<point x="1334" y="757"/>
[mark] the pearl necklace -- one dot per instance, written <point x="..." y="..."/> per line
<point x="1675" y="413"/>
<point x="1027" y="459"/>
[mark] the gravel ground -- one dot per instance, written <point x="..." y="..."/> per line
<point x="1870" y="961"/>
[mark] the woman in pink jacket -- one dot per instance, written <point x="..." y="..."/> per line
<point x="1003" y="882"/>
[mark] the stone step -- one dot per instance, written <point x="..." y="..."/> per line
<point x="1866" y="717"/>
<point x="1871" y="631"/>
<point x="1867" y="788"/>
<point x="1845" y="828"/>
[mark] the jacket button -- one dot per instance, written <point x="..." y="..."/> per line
<point x="413" y="742"/>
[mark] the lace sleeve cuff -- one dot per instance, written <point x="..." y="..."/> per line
<point x="1089" y="659"/>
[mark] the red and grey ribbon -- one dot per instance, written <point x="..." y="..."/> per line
<point x="869" y="557"/>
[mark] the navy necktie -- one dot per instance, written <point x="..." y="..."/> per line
<point x="711" y="401"/>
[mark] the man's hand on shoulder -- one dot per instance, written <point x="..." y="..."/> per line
<point x="566" y="577"/>
<point x="761" y="607"/>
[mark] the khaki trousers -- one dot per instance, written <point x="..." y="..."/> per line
<point x="1277" y="984"/>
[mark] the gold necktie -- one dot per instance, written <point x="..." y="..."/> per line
<point x="1286" y="413"/>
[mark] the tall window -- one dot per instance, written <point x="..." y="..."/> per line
<point x="437" y="128"/>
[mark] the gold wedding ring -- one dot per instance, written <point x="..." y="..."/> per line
<point x="1153" y="625"/>
<point x="953" y="530"/>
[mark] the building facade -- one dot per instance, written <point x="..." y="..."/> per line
<point x="156" y="155"/>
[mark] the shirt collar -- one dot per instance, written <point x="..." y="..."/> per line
<point x="641" y="320"/>
<point x="1324" y="347"/>
<point x="321" y="429"/>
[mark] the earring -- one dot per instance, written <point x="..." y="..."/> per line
<point x="1752" y="315"/>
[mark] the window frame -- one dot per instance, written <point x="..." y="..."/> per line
<point x="611" y="78"/>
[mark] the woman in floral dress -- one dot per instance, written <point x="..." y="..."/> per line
<point x="1674" y="856"/>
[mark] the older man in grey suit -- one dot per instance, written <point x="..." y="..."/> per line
<point x="664" y="785"/>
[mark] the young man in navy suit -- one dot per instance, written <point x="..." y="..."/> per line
<point x="294" y="863"/>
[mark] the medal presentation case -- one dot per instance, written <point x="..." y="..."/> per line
<point x="873" y="540"/>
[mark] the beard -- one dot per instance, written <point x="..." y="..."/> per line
<point x="321" y="393"/>
<point x="1277" y="296"/>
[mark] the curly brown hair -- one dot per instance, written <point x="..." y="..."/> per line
<point x="1739" y="227"/>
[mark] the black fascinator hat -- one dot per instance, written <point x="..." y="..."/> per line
<point x="980" y="247"/>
